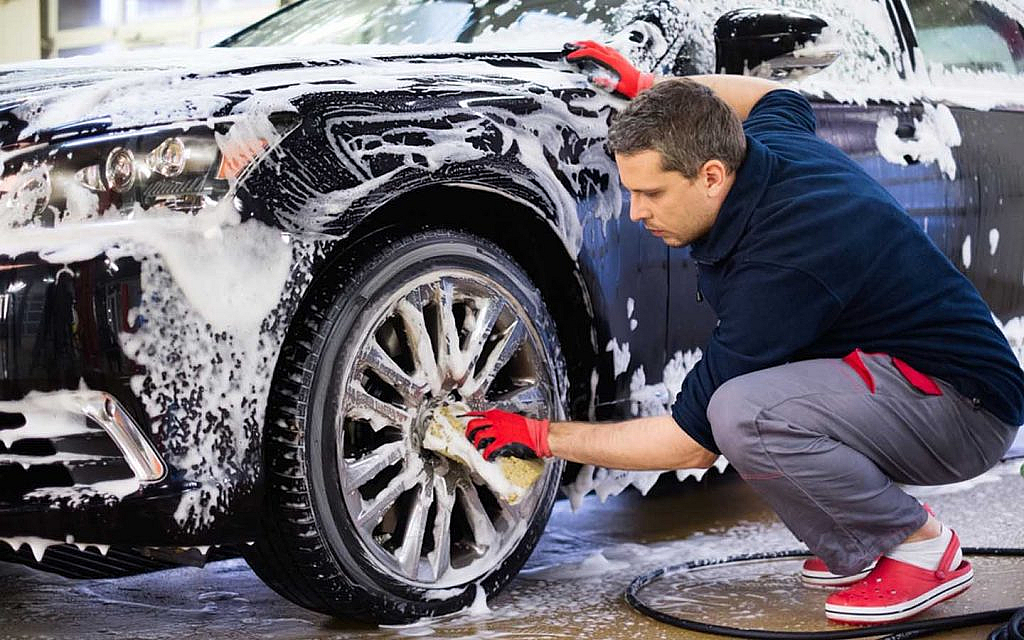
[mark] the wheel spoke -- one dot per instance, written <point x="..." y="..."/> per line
<point x="415" y="528"/>
<point x="441" y="557"/>
<point x="449" y="347"/>
<point x="373" y="510"/>
<point x="361" y="405"/>
<point x="366" y="468"/>
<point x="530" y="399"/>
<point x="508" y="346"/>
<point x="419" y="344"/>
<point x="384" y="366"/>
<point x="485" y="320"/>
<point x="483" y="529"/>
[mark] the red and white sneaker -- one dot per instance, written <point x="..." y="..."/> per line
<point x="815" y="573"/>
<point x="896" y="590"/>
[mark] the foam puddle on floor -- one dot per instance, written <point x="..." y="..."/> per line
<point x="767" y="595"/>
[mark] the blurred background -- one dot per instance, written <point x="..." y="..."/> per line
<point x="32" y="29"/>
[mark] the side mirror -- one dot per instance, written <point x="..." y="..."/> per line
<point x="772" y="44"/>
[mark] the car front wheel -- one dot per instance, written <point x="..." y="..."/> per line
<point x="360" y="519"/>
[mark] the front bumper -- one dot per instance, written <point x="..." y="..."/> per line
<point x="77" y="457"/>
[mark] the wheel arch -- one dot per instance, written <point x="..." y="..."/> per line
<point x="519" y="229"/>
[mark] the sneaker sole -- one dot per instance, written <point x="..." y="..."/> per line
<point x="903" y="610"/>
<point x="827" y="579"/>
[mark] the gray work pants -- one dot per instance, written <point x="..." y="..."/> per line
<point x="824" y="451"/>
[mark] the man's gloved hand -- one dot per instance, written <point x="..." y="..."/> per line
<point x="500" y="433"/>
<point x="627" y="80"/>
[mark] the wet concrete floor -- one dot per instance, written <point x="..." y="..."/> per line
<point x="571" y="588"/>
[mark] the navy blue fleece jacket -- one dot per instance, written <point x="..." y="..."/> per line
<point x="810" y="257"/>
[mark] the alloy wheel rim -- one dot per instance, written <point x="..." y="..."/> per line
<point x="448" y="336"/>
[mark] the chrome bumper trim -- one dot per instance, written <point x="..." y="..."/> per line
<point x="106" y="411"/>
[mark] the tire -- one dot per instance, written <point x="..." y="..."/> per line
<point x="359" y="521"/>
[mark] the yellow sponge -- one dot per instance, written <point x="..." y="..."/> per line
<point x="509" y="478"/>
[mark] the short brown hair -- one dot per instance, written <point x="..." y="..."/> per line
<point x="684" y="121"/>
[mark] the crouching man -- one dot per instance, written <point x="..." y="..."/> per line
<point x="850" y="353"/>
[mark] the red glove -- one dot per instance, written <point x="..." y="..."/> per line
<point x="500" y="433"/>
<point x="631" y="80"/>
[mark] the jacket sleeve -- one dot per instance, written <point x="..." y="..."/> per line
<point x="781" y="110"/>
<point x="767" y="317"/>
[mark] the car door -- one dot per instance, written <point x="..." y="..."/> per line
<point x="627" y="272"/>
<point x="904" y="143"/>
<point x="971" y="57"/>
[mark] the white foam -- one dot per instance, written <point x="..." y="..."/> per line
<point x="656" y="399"/>
<point x="37" y="545"/>
<point x="936" y="134"/>
<point x="620" y="356"/>
<point x="593" y="565"/>
<point x="47" y="415"/>
<point x="479" y="607"/>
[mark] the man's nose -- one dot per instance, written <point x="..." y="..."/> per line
<point x="636" y="212"/>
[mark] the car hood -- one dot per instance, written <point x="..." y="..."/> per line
<point x="41" y="98"/>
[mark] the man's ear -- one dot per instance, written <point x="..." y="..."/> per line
<point x="713" y="177"/>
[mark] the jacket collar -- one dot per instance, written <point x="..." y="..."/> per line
<point x="734" y="216"/>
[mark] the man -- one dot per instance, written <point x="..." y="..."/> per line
<point x="849" y="354"/>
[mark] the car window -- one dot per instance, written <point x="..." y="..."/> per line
<point x="317" y="22"/>
<point x="973" y="36"/>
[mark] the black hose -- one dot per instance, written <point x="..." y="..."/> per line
<point x="1013" y="630"/>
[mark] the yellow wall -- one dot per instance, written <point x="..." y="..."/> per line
<point x="20" y="30"/>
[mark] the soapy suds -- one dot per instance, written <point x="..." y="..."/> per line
<point x="108" y="492"/>
<point x="993" y="241"/>
<point x="583" y="170"/>
<point x="620" y="356"/>
<point x="656" y="399"/>
<point x="992" y="476"/>
<point x="51" y="416"/>
<point x="965" y="252"/>
<point x="208" y="346"/>
<point x="208" y="400"/>
<point x="645" y="400"/>
<point x="606" y="483"/>
<point x="590" y="567"/>
<point x="37" y="545"/>
<point x="28" y="461"/>
<point x="479" y="607"/>
<point x="445" y="594"/>
<point x="682" y="527"/>
<point x="936" y="134"/>
<point x="47" y="415"/>
<point x="102" y="549"/>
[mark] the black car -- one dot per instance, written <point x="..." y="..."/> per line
<point x="236" y="283"/>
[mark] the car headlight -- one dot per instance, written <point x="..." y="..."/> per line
<point x="182" y="170"/>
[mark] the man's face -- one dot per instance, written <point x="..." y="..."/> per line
<point x="672" y="207"/>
